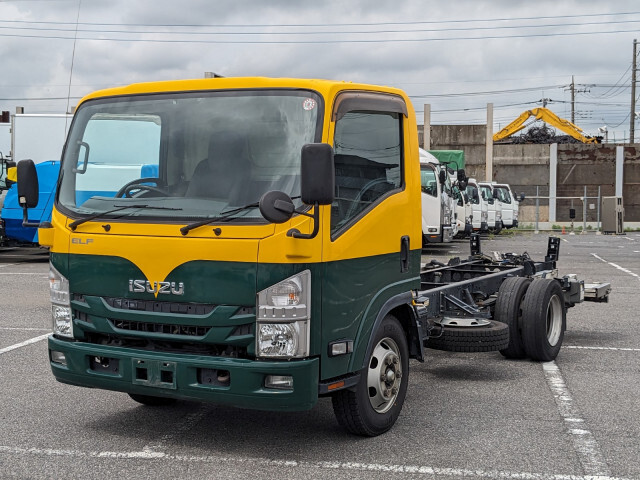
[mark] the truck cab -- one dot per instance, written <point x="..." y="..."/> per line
<point x="494" y="206"/>
<point x="479" y="206"/>
<point x="463" y="208"/>
<point x="437" y="201"/>
<point x="244" y="241"/>
<point x="510" y="204"/>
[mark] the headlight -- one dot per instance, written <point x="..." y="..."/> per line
<point x="498" y="215"/>
<point x="485" y="216"/>
<point x="282" y="329"/>
<point x="60" y="306"/>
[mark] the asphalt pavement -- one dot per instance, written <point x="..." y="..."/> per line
<point x="466" y="415"/>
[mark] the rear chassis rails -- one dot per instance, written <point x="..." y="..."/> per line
<point x="507" y="303"/>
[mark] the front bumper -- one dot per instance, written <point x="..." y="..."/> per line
<point x="183" y="376"/>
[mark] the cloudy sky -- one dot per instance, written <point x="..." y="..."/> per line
<point x="455" y="55"/>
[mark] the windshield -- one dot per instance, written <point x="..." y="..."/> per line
<point x="428" y="181"/>
<point x="187" y="156"/>
<point x="486" y="192"/>
<point x="472" y="192"/>
<point x="503" y="194"/>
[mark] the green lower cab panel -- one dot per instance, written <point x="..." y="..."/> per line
<point x="228" y="381"/>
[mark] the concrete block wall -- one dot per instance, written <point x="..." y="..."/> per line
<point x="526" y="168"/>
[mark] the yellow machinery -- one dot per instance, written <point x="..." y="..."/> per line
<point x="549" y="117"/>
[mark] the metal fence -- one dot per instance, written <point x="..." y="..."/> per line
<point x="579" y="210"/>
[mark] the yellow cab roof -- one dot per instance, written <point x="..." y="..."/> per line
<point x="327" y="88"/>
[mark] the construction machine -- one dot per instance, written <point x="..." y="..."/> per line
<point x="548" y="117"/>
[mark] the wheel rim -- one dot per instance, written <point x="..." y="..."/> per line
<point x="385" y="375"/>
<point x="554" y="320"/>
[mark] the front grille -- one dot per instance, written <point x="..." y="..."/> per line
<point x="170" y="346"/>
<point x="166" y="328"/>
<point x="159" y="307"/>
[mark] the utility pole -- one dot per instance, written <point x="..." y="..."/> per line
<point x="573" y="100"/>
<point x="632" y="122"/>
<point x="572" y="88"/>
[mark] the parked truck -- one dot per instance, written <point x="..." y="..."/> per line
<point x="494" y="206"/>
<point x="479" y="207"/>
<point x="272" y="254"/>
<point x="439" y="216"/>
<point x="39" y="137"/>
<point x="510" y="204"/>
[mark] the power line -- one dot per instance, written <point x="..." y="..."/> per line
<point x="320" y="42"/>
<point x="365" y="32"/>
<point x="418" y="22"/>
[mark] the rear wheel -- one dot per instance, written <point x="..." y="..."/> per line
<point x="152" y="401"/>
<point x="509" y="310"/>
<point x="375" y="405"/>
<point x="544" y="319"/>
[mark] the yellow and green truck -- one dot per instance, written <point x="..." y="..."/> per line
<point x="257" y="242"/>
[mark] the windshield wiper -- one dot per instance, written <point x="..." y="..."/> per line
<point x="75" y="224"/>
<point x="223" y="216"/>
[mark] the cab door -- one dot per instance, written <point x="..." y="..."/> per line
<point x="371" y="250"/>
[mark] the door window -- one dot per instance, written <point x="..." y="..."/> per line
<point x="368" y="163"/>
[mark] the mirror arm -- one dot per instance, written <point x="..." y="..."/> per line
<point x="25" y="219"/>
<point x="295" y="233"/>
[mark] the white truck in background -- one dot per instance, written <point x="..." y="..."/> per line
<point x="39" y="137"/>
<point x="510" y="204"/>
<point x="463" y="208"/>
<point x="479" y="207"/>
<point x="438" y="204"/>
<point x="494" y="213"/>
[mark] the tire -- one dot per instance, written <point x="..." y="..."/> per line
<point x="151" y="401"/>
<point x="509" y="310"/>
<point x="544" y="319"/>
<point x="498" y="228"/>
<point x="375" y="405"/>
<point x="494" y="336"/>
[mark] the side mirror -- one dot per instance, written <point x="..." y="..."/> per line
<point x="462" y="184"/>
<point x="276" y="207"/>
<point x="521" y="197"/>
<point x="317" y="174"/>
<point x="442" y="177"/>
<point x="495" y="194"/>
<point x="28" y="189"/>
<point x="462" y="177"/>
<point x="27" y="184"/>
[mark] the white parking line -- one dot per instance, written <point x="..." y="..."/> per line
<point x="43" y="275"/>
<point x="615" y="349"/>
<point x="26" y="329"/>
<point x="616" y="266"/>
<point x="585" y="444"/>
<point x="422" y="470"/>
<point x="186" y="425"/>
<point x="23" y="344"/>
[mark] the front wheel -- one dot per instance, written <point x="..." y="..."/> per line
<point x="375" y="405"/>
